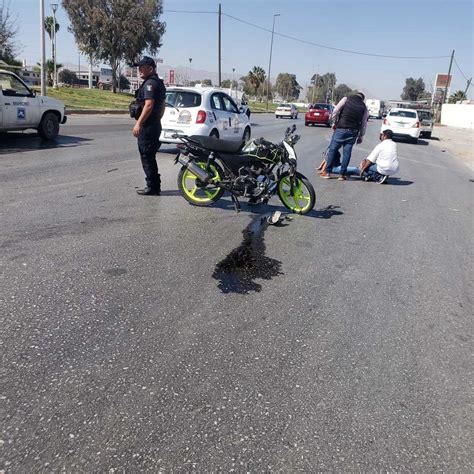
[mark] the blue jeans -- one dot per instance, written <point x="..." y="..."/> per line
<point x="371" y="172"/>
<point x="350" y="170"/>
<point x="345" y="137"/>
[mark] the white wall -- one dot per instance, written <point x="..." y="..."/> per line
<point x="458" y="115"/>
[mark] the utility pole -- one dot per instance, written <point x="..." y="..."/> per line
<point x="190" y="61"/>
<point x="447" y="80"/>
<point x="219" y="44"/>
<point x="54" y="7"/>
<point x="270" y="60"/>
<point x="43" y="52"/>
<point x="467" y="87"/>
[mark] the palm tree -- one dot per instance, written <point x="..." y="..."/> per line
<point x="458" y="95"/>
<point x="256" y="77"/>
<point x="48" y="26"/>
<point x="49" y="68"/>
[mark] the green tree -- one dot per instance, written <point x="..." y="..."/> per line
<point x="287" y="86"/>
<point x="48" y="26"/>
<point x="8" y="34"/>
<point x="124" y="83"/>
<point x="342" y="90"/>
<point x="113" y="31"/>
<point x="458" y="95"/>
<point x="256" y="78"/>
<point x="49" y="69"/>
<point x="206" y="82"/>
<point x="322" y="87"/>
<point x="414" y="89"/>
<point x="68" y="77"/>
<point x="227" y="84"/>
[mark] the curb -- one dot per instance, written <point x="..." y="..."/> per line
<point x="95" y="111"/>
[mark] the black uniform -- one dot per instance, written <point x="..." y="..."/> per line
<point x="149" y="138"/>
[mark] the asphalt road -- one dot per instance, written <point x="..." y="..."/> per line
<point x="350" y="351"/>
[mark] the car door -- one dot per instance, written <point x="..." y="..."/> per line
<point x="233" y="114"/>
<point x="220" y="115"/>
<point x="20" y="106"/>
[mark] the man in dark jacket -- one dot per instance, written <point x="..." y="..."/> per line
<point x="349" y="123"/>
<point x="147" y="130"/>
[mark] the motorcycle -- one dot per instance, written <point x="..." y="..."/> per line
<point x="257" y="170"/>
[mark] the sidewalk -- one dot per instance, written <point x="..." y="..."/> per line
<point x="456" y="141"/>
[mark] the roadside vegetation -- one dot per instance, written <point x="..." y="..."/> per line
<point x="93" y="99"/>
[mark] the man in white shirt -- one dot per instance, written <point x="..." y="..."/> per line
<point x="382" y="161"/>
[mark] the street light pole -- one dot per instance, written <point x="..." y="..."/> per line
<point x="43" y="52"/>
<point x="270" y="61"/>
<point x="189" y="81"/>
<point x="54" y="7"/>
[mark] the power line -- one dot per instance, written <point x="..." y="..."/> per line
<point x="186" y="11"/>
<point x="330" y="47"/>
<point x="460" y="70"/>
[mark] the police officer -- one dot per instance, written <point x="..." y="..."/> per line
<point x="148" y="127"/>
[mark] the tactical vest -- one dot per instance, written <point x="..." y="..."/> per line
<point x="352" y="113"/>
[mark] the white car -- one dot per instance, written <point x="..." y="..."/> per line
<point x="286" y="110"/>
<point x="21" y="108"/>
<point x="202" y="111"/>
<point x="403" y="123"/>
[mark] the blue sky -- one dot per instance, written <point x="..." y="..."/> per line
<point x="384" y="27"/>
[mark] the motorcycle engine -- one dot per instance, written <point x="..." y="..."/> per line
<point x="253" y="180"/>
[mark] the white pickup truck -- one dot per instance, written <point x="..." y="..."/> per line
<point x="21" y="108"/>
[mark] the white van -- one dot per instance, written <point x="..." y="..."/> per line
<point x="21" y="108"/>
<point x="375" y="107"/>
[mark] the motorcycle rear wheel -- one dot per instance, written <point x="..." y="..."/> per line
<point x="296" y="193"/>
<point x="195" y="191"/>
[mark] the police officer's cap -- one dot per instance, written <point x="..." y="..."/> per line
<point x="146" y="61"/>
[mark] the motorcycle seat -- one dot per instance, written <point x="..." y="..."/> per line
<point x="216" y="144"/>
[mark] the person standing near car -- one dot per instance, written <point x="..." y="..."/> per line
<point x="349" y="120"/>
<point x="147" y="130"/>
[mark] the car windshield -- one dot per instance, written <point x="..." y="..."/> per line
<point x="321" y="106"/>
<point x="183" y="98"/>
<point x="424" y="115"/>
<point x="402" y="113"/>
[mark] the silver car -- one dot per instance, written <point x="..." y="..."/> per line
<point x="426" y="123"/>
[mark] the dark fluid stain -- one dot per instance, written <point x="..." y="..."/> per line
<point x="237" y="272"/>
<point x="115" y="271"/>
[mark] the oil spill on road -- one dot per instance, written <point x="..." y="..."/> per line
<point x="246" y="263"/>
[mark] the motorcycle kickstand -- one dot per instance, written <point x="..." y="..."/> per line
<point x="236" y="203"/>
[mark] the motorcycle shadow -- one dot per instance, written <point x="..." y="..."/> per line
<point x="323" y="213"/>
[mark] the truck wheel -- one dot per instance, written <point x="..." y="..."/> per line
<point x="49" y="126"/>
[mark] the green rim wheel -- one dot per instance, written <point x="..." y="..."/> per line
<point x="195" y="191"/>
<point x="296" y="193"/>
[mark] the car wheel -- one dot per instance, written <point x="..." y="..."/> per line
<point x="49" y="126"/>
<point x="306" y="124"/>
<point x="214" y="134"/>
<point x="428" y="134"/>
<point x="248" y="113"/>
<point x="246" y="136"/>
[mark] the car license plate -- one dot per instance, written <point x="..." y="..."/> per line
<point x="316" y="114"/>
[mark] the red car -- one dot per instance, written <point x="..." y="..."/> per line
<point x="319" y="113"/>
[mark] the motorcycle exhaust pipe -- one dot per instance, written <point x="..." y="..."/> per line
<point x="195" y="169"/>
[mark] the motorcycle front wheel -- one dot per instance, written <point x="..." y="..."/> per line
<point x="195" y="191"/>
<point x="296" y="193"/>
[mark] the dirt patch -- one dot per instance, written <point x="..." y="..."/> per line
<point x="456" y="141"/>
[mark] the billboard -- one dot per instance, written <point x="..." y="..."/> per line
<point x="442" y="81"/>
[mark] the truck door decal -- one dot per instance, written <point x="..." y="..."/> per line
<point x="21" y="113"/>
